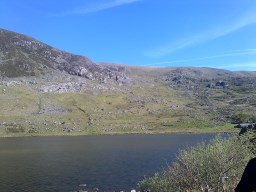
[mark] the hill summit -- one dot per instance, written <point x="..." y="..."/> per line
<point x="21" y="55"/>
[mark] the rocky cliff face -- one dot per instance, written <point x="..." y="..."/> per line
<point x="21" y="55"/>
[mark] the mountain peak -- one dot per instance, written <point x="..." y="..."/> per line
<point x="21" y="55"/>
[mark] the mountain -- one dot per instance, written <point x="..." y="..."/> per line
<point x="25" y="56"/>
<point x="46" y="91"/>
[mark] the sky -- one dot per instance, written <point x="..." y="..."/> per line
<point x="154" y="33"/>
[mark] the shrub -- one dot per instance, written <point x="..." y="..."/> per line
<point x="216" y="166"/>
<point x="12" y="128"/>
<point x="243" y="118"/>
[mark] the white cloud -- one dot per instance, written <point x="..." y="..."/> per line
<point x="229" y="54"/>
<point x="212" y="34"/>
<point x="100" y="7"/>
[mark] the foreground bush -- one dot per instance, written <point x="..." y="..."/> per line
<point x="216" y="166"/>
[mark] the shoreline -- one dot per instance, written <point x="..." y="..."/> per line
<point x="235" y="131"/>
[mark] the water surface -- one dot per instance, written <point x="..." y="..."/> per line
<point x="52" y="164"/>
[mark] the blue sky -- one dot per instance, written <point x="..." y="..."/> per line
<point x="212" y="33"/>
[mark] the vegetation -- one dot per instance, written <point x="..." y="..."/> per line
<point x="26" y="112"/>
<point x="216" y="166"/>
<point x="243" y="118"/>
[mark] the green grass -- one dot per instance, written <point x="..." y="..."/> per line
<point x="144" y="109"/>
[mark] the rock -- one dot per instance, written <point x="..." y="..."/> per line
<point x="220" y="83"/>
<point x="211" y="85"/>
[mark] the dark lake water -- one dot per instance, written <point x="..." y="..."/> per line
<point x="54" y="164"/>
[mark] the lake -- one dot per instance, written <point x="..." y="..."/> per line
<point x="108" y="162"/>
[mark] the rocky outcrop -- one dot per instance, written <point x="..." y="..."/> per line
<point x="68" y="87"/>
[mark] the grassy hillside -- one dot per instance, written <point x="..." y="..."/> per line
<point x="146" y="105"/>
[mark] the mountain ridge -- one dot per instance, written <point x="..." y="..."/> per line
<point x="22" y="55"/>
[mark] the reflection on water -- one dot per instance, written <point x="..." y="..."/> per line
<point x="50" y="164"/>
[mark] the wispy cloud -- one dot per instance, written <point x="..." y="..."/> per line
<point x="238" y="66"/>
<point x="98" y="7"/>
<point x="220" y="31"/>
<point x="229" y="54"/>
